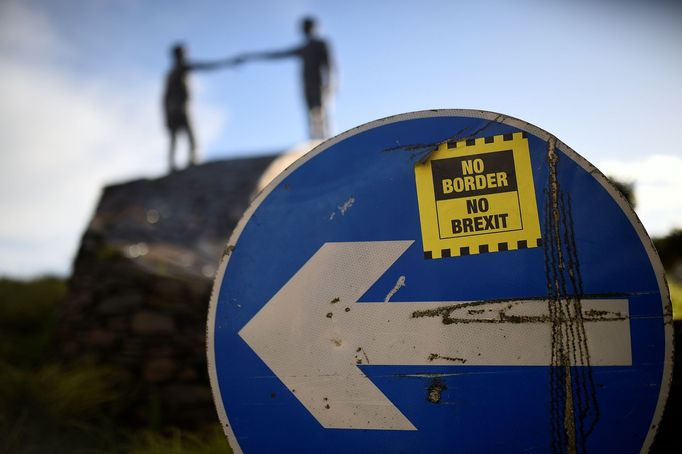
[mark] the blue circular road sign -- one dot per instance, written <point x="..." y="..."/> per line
<point x="440" y="281"/>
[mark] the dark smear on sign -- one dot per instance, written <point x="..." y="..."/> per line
<point x="596" y="314"/>
<point x="434" y="356"/>
<point x="574" y="409"/>
<point x="446" y="312"/>
<point x="358" y="359"/>
<point x="435" y="390"/>
<point x="424" y="150"/>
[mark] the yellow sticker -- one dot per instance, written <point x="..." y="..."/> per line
<point x="477" y="196"/>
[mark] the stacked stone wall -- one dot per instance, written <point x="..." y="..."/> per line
<point x="138" y="297"/>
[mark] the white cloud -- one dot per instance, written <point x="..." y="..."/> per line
<point x="658" y="189"/>
<point x="61" y="141"/>
<point x="64" y="136"/>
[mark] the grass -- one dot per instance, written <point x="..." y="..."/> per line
<point x="54" y="406"/>
<point x="43" y="404"/>
<point x="27" y="319"/>
<point x="208" y="441"/>
<point x="49" y="407"/>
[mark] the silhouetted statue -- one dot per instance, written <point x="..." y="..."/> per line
<point x="176" y="99"/>
<point x="317" y="70"/>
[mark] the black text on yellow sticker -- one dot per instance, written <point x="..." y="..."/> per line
<point x="477" y="196"/>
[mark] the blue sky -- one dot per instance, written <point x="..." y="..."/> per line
<point x="81" y="83"/>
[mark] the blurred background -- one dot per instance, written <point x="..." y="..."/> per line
<point x="81" y="84"/>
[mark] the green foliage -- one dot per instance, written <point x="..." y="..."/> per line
<point x="27" y="319"/>
<point x="670" y="249"/>
<point x="108" y="252"/>
<point x="174" y="441"/>
<point x="63" y="394"/>
<point x="48" y="407"/>
<point x="45" y="406"/>
<point x="57" y="406"/>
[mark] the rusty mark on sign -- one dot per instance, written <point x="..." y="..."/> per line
<point x="435" y="390"/>
<point x="574" y="410"/>
<point x="595" y="314"/>
<point x="434" y="356"/>
<point x="358" y="359"/>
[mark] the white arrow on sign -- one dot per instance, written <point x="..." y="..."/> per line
<point x="313" y="334"/>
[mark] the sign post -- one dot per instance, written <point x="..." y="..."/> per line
<point x="440" y="281"/>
